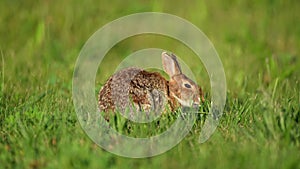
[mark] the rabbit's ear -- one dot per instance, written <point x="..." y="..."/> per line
<point x="170" y="64"/>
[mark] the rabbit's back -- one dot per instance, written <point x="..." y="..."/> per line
<point x="146" y="90"/>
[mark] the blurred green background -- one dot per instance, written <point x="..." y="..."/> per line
<point x="257" y="41"/>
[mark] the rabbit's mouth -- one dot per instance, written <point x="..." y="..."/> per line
<point x="196" y="106"/>
<point x="187" y="103"/>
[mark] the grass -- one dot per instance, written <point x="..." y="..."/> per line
<point x="258" y="43"/>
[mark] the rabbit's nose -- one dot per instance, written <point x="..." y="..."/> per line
<point x="196" y="101"/>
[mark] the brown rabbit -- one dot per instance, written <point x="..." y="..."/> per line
<point x="149" y="91"/>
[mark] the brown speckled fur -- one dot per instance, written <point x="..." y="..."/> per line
<point x="136" y="83"/>
<point x="105" y="99"/>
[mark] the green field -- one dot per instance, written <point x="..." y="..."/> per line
<point x="257" y="41"/>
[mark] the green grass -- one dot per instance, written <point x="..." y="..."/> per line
<point x="258" y="43"/>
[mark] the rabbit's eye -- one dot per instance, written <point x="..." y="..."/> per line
<point x="187" y="85"/>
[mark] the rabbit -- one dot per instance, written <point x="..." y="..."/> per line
<point x="150" y="91"/>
